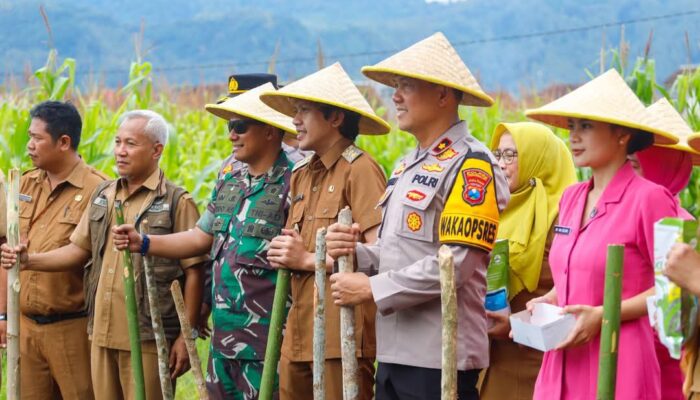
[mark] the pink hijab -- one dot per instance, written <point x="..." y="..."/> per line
<point x="669" y="168"/>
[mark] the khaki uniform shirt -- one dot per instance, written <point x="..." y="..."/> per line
<point x="47" y="219"/>
<point x="110" y="327"/>
<point x="452" y="192"/>
<point x="322" y="186"/>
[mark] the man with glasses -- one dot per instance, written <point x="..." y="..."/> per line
<point x="248" y="208"/>
<point x="241" y="83"/>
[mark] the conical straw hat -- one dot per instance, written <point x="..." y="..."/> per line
<point x="606" y="98"/>
<point x="432" y="60"/>
<point x="694" y="141"/>
<point x="331" y="86"/>
<point x="664" y="116"/>
<point x="248" y="105"/>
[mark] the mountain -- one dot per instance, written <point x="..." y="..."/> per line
<point x="202" y="41"/>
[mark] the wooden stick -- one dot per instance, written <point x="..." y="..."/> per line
<point x="274" y="336"/>
<point x="347" y="325"/>
<point x="132" y="315"/>
<point x="448" y="296"/>
<point x="186" y="330"/>
<point x="166" y="384"/>
<point x="320" y="316"/>
<point x="13" y="239"/>
<point x="610" y="328"/>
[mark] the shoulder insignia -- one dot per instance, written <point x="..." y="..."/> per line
<point x="351" y="153"/>
<point x="471" y="214"/>
<point x="447" y="154"/>
<point x="399" y="170"/>
<point x="442" y="146"/>
<point x="435" y="167"/>
<point x="415" y="195"/>
<point x="302" y="163"/>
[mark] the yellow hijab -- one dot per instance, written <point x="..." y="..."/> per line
<point x="545" y="169"/>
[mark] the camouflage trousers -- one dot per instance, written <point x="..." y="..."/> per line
<point x="236" y="379"/>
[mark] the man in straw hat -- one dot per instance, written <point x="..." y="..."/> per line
<point x="241" y="83"/>
<point x="248" y="208"/>
<point x="448" y="191"/>
<point x="329" y="112"/>
<point x="151" y="200"/>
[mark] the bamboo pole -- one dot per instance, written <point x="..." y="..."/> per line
<point x="448" y="296"/>
<point x="347" y="324"/>
<point x="166" y="384"/>
<point x="274" y="336"/>
<point x="186" y="330"/>
<point x="132" y="316"/>
<point x="13" y="240"/>
<point x="320" y="316"/>
<point x="610" y="327"/>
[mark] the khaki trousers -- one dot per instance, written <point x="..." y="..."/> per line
<point x="296" y="379"/>
<point x="55" y="360"/>
<point x="111" y="372"/>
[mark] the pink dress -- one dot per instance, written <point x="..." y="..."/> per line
<point x="671" y="169"/>
<point x="624" y="214"/>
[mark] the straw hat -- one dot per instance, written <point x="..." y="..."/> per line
<point x="432" y="60"/>
<point x="248" y="105"/>
<point x="664" y="116"/>
<point x="694" y="141"/>
<point x="331" y="86"/>
<point x="606" y="98"/>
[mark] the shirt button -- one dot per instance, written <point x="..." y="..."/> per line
<point x="325" y="211"/>
<point x="314" y="189"/>
<point x="309" y="218"/>
<point x="111" y="270"/>
<point x="126" y="204"/>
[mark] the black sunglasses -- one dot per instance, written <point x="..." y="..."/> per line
<point x="241" y="126"/>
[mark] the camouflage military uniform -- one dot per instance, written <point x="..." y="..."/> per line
<point x="244" y="214"/>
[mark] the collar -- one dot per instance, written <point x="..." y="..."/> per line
<point x="154" y="182"/>
<point x="618" y="185"/>
<point x="333" y="154"/>
<point x="447" y="139"/>
<point x="76" y="177"/>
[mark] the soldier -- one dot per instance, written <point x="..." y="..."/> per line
<point x="54" y="345"/>
<point x="329" y="112"/>
<point x="241" y="83"/>
<point x="151" y="201"/>
<point x="447" y="191"/>
<point x="248" y="208"/>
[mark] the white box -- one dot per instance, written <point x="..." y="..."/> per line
<point x="544" y="329"/>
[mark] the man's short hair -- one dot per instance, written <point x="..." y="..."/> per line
<point x="60" y="119"/>
<point x="350" y="127"/>
<point x="156" y="127"/>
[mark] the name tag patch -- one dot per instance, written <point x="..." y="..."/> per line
<point x="562" y="230"/>
<point x="25" y="198"/>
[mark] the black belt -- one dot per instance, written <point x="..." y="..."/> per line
<point x="50" y="319"/>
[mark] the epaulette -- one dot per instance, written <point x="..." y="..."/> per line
<point x="302" y="163"/>
<point x="29" y="171"/>
<point x="351" y="153"/>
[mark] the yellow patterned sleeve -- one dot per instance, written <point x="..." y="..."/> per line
<point x="471" y="216"/>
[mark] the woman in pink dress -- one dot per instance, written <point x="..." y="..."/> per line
<point x="616" y="206"/>
<point x="670" y="167"/>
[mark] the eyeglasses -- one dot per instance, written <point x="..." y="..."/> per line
<point x="507" y="155"/>
<point x="241" y="126"/>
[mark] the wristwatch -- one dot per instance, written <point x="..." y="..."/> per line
<point x="195" y="333"/>
<point x="3" y="317"/>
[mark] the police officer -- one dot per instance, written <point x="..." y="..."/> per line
<point x="248" y="208"/>
<point x="448" y="191"/>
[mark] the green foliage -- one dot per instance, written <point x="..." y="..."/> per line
<point x="198" y="140"/>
